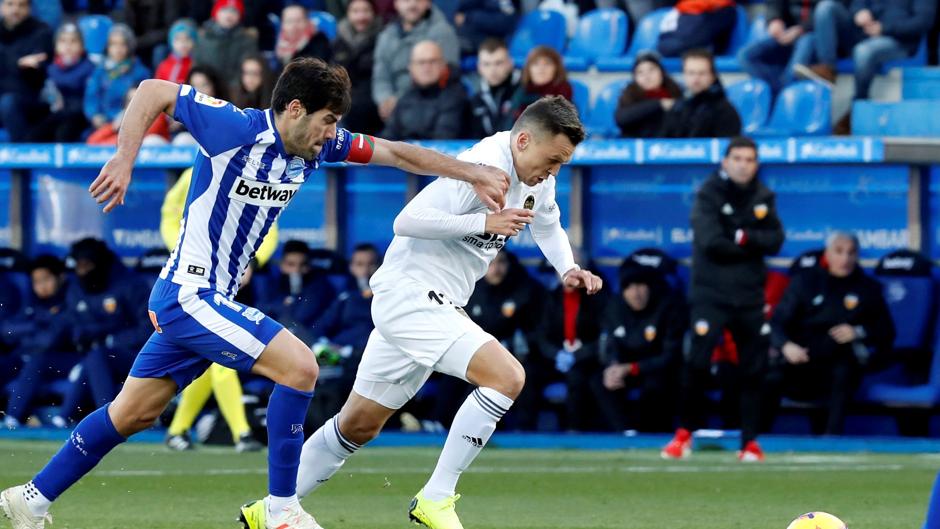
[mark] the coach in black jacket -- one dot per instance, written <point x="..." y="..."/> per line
<point x="831" y="319"/>
<point x="735" y="225"/>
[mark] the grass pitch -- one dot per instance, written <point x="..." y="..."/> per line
<point x="146" y="486"/>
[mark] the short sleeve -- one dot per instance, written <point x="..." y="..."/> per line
<point x="216" y="125"/>
<point x="337" y="149"/>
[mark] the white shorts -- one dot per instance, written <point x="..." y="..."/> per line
<point x="416" y="333"/>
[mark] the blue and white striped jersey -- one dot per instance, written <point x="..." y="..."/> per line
<point x="242" y="179"/>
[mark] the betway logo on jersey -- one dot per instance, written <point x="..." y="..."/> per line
<point x="263" y="193"/>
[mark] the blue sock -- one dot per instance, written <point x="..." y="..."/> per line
<point x="933" y="508"/>
<point x="287" y="410"/>
<point x="91" y="440"/>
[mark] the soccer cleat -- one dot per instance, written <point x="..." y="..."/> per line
<point x="247" y="443"/>
<point x="680" y="447"/>
<point x="254" y="515"/>
<point x="751" y="453"/>
<point x="434" y="514"/>
<point x="179" y="443"/>
<point x="14" y="508"/>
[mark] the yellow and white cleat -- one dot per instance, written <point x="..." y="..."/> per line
<point x="434" y="514"/>
<point x="254" y="515"/>
<point x="14" y="508"/>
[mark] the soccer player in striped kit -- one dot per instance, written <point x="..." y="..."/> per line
<point x="249" y="166"/>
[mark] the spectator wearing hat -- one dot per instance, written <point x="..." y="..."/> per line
<point x="299" y="37"/>
<point x="112" y="79"/>
<point x="644" y="102"/>
<point x="25" y="50"/>
<point x="65" y="89"/>
<point x="223" y="42"/>
<point x="832" y="319"/>
<point x="151" y="21"/>
<point x="645" y="327"/>
<point x="354" y="49"/>
<point x="40" y="334"/>
<point x="182" y="39"/>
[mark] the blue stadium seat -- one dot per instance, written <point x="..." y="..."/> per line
<point x="601" y="33"/>
<point x="95" y="30"/>
<point x="751" y="99"/>
<point x="920" y="83"/>
<point x="902" y="118"/>
<point x="325" y="22"/>
<point x="600" y="120"/>
<point x="537" y="28"/>
<point x="910" y="300"/>
<point x="581" y="95"/>
<point x="847" y="65"/>
<point x="893" y="394"/>
<point x="644" y="39"/>
<point x="802" y="109"/>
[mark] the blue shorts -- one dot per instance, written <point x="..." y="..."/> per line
<point x="196" y="327"/>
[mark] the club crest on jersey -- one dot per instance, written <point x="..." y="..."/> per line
<point x="649" y="333"/>
<point x="850" y="301"/>
<point x="263" y="193"/>
<point x="110" y="305"/>
<point x="701" y="327"/>
<point x="209" y="101"/>
<point x="760" y="211"/>
<point x="508" y="308"/>
<point x="529" y="202"/>
<point x="295" y="167"/>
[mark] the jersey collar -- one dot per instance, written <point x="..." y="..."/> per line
<point x="278" y="144"/>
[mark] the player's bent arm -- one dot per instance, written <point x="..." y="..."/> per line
<point x="153" y="97"/>
<point x="554" y="243"/>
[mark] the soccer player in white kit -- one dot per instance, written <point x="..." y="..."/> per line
<point x="444" y="242"/>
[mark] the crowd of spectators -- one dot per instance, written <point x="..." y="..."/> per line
<point x="46" y="69"/>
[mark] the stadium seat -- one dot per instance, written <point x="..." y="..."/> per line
<point x="325" y="22"/>
<point x="581" y="98"/>
<point x="909" y="293"/>
<point x="644" y="39"/>
<point x="95" y="30"/>
<point x="847" y="65"/>
<point x="920" y="83"/>
<point x="727" y="60"/>
<point x="600" y="120"/>
<point x="601" y="33"/>
<point x="537" y="28"/>
<point x="802" y="109"/>
<point x="897" y="394"/>
<point x="902" y="118"/>
<point x="751" y="99"/>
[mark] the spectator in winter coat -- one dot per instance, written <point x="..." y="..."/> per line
<point x="542" y="75"/>
<point x="704" y="112"/>
<point x="418" y="20"/>
<point x="65" y="89"/>
<point x="646" y="100"/>
<point x="108" y="85"/>
<point x="151" y="21"/>
<point x="255" y="84"/>
<point x="491" y="107"/>
<point x="354" y="49"/>
<point x="25" y="51"/>
<point x="299" y="37"/>
<point x="478" y="20"/>
<point x="182" y="39"/>
<point x="223" y="42"/>
<point x="696" y="24"/>
<point x="831" y="320"/>
<point x="434" y="107"/>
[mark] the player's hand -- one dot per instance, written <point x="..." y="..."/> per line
<point x="795" y="354"/>
<point x="491" y="185"/>
<point x="111" y="184"/>
<point x="508" y="222"/>
<point x="843" y="334"/>
<point x="576" y="278"/>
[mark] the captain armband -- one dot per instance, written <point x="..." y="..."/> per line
<point x="361" y="148"/>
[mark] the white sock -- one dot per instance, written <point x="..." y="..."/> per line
<point x="277" y="504"/>
<point x="323" y="454"/>
<point x="37" y="503"/>
<point x="473" y="425"/>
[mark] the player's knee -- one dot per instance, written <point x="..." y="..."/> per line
<point x="512" y="381"/>
<point x="132" y="421"/>
<point x="360" y="429"/>
<point x="303" y="374"/>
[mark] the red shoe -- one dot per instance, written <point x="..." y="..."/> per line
<point x="751" y="453"/>
<point x="680" y="447"/>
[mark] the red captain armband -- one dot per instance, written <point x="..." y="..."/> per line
<point x="361" y="148"/>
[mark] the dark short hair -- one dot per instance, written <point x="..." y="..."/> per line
<point x="740" y="142"/>
<point x="315" y="84"/>
<point x="366" y="247"/>
<point x="554" y="115"/>
<point x="53" y="264"/>
<point x="295" y="246"/>
<point x="700" y="53"/>
<point x="493" y="44"/>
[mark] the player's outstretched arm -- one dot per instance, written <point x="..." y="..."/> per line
<point x="489" y="183"/>
<point x="152" y="97"/>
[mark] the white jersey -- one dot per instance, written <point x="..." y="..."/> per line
<point x="439" y="236"/>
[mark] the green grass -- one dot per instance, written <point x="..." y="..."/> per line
<point x="145" y="486"/>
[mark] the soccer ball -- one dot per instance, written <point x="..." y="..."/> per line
<point x="817" y="520"/>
